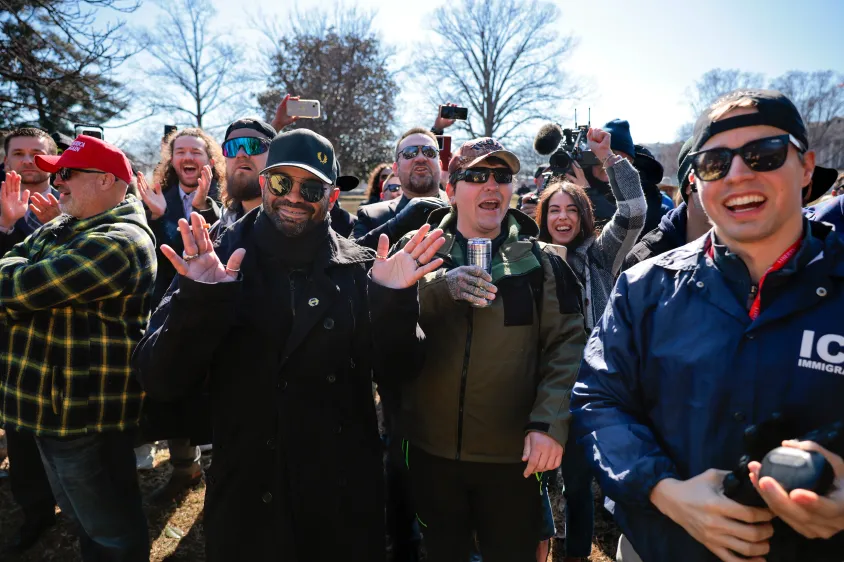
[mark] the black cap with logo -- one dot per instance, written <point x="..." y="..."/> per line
<point x="304" y="149"/>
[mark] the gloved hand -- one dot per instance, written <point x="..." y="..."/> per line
<point x="413" y="216"/>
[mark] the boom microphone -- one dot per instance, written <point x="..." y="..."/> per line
<point x="548" y="139"/>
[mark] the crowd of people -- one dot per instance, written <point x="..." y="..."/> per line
<point x="229" y="304"/>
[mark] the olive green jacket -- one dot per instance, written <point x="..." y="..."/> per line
<point x="492" y="374"/>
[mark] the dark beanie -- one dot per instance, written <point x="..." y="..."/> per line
<point x="685" y="166"/>
<point x="619" y="130"/>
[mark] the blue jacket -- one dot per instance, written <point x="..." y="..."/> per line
<point x="676" y="370"/>
<point x="670" y="234"/>
<point x="831" y="211"/>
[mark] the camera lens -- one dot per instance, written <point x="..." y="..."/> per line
<point x="560" y="160"/>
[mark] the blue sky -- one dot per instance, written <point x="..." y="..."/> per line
<point x="638" y="57"/>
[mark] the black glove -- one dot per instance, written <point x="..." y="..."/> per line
<point x="413" y="216"/>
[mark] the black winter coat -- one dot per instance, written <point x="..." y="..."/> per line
<point x="297" y="472"/>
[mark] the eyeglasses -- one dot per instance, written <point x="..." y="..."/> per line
<point x="281" y="184"/>
<point x="760" y="155"/>
<point x="393" y="187"/>
<point x="411" y="152"/>
<point x="481" y="175"/>
<point x="251" y="145"/>
<point x="66" y="173"/>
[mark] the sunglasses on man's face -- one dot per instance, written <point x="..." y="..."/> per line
<point x="393" y="187"/>
<point x="481" y="175"/>
<point x="760" y="155"/>
<point x="66" y="173"/>
<point x="281" y="184"/>
<point x="251" y="145"/>
<point x="411" y="152"/>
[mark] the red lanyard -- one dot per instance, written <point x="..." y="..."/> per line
<point x="779" y="264"/>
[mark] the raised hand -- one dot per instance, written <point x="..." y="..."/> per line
<point x="407" y="266"/>
<point x="13" y="203"/>
<point x="200" y="197"/>
<point x="200" y="261"/>
<point x="152" y="197"/>
<point x="576" y="175"/>
<point x="442" y="124"/>
<point x="45" y="208"/>
<point x="282" y="119"/>
<point x="599" y="143"/>
<point x="472" y="284"/>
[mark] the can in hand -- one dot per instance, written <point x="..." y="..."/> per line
<point x="480" y="253"/>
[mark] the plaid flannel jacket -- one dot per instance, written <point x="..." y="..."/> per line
<point x="74" y="302"/>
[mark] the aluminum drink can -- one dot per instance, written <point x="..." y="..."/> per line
<point x="480" y="253"/>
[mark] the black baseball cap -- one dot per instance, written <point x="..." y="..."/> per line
<point x="255" y="124"/>
<point x="304" y="149"/>
<point x="684" y="164"/>
<point x="772" y="108"/>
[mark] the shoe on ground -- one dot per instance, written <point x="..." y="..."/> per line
<point x="180" y="482"/>
<point x="28" y="534"/>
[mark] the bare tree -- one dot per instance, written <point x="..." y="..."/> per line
<point x="718" y="82"/>
<point x="196" y="73"/>
<point x="818" y="95"/>
<point x="57" y="59"/>
<point x="337" y="59"/>
<point x="501" y="58"/>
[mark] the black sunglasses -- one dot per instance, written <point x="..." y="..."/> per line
<point x="251" y="145"/>
<point x="66" y="173"/>
<point x="760" y="155"/>
<point x="481" y="175"/>
<point x="411" y="152"/>
<point x="393" y="187"/>
<point x="281" y="184"/>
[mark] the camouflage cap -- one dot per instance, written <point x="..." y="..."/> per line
<point x="473" y="152"/>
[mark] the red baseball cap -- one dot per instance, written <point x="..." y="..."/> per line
<point x="89" y="152"/>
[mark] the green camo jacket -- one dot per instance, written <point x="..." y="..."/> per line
<point x="74" y="302"/>
<point x="492" y="374"/>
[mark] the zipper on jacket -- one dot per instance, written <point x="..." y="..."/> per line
<point x="463" y="376"/>
<point x="754" y="290"/>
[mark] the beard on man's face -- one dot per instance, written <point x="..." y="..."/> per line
<point x="33" y="177"/>
<point x="419" y="183"/>
<point x="243" y="187"/>
<point x="274" y="207"/>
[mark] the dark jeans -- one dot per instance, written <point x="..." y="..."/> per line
<point x="96" y="485"/>
<point x="401" y="517"/>
<point x="453" y="498"/>
<point x="30" y="486"/>
<point x="577" y="482"/>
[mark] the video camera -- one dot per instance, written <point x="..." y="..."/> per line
<point x="564" y="146"/>
<point x="792" y="468"/>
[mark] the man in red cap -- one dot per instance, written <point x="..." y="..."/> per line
<point x="74" y="302"/>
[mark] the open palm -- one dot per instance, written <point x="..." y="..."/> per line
<point x="200" y="261"/>
<point x="13" y="203"/>
<point x="407" y="266"/>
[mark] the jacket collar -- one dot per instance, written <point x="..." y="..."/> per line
<point x="130" y="210"/>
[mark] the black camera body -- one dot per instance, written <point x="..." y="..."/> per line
<point x="792" y="468"/>
<point x="573" y="148"/>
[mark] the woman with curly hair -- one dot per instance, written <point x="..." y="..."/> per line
<point x="375" y="181"/>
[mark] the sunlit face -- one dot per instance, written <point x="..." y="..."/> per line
<point x="420" y="174"/>
<point x="190" y="154"/>
<point x="290" y="213"/>
<point x="481" y="207"/>
<point x="563" y="218"/>
<point x="20" y="158"/>
<point x="747" y="206"/>
<point x="242" y="170"/>
<point x="79" y="195"/>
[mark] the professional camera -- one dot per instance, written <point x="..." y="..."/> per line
<point x="564" y="146"/>
<point x="792" y="468"/>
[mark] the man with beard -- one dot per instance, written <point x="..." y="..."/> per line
<point x="297" y="473"/>
<point x="30" y="487"/>
<point x="186" y="157"/>
<point x="74" y="302"/>
<point x="418" y="167"/>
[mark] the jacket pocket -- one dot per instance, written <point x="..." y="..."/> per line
<point x="56" y="393"/>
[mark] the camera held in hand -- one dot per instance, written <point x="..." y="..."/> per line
<point x="792" y="468"/>
<point x="564" y="146"/>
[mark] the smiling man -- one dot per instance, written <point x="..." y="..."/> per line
<point x="74" y="302"/>
<point x="489" y="408"/>
<point x="721" y="333"/>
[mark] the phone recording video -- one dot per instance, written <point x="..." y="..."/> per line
<point x="453" y="112"/>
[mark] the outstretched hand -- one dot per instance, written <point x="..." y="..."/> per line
<point x="152" y="197"/>
<point x="199" y="261"/>
<point x="200" y="198"/>
<point x="13" y="203"/>
<point x="407" y="266"/>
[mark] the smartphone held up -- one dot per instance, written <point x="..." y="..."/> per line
<point x="454" y="112"/>
<point x="308" y="109"/>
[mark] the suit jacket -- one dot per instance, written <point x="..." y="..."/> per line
<point x="166" y="230"/>
<point x="372" y="217"/>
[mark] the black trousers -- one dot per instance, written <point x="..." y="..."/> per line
<point x="29" y="483"/>
<point x="453" y="498"/>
